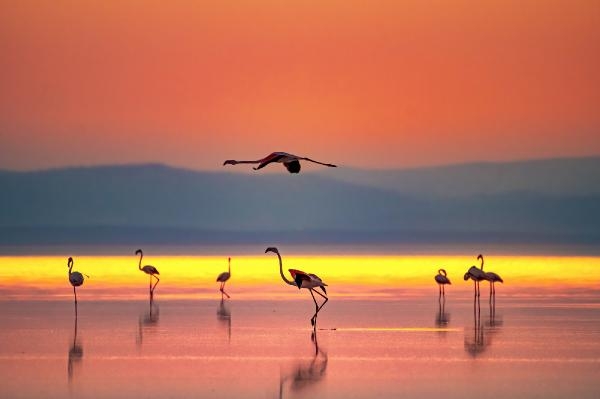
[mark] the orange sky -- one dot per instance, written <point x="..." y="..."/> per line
<point x="362" y="83"/>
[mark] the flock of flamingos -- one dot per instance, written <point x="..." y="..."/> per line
<point x="299" y="279"/>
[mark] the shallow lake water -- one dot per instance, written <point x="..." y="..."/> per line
<point x="383" y="333"/>
<point x="417" y="347"/>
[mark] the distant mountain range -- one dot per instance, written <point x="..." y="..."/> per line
<point x="547" y="201"/>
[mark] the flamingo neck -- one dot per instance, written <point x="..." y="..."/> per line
<point x="70" y="267"/>
<point x="140" y="264"/>
<point x="229" y="266"/>
<point x="281" y="272"/>
<point x="481" y="258"/>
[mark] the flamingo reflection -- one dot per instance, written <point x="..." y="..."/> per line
<point x="475" y="342"/>
<point x="75" y="354"/>
<point x="148" y="320"/>
<point x="442" y="317"/>
<point x="305" y="375"/>
<point x="224" y="317"/>
<point x="481" y="336"/>
<point x="493" y="320"/>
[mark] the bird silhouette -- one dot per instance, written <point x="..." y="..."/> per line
<point x="291" y="162"/>
<point x="76" y="280"/>
<point x="223" y="277"/>
<point x="477" y="275"/>
<point x="442" y="279"/>
<point x="492" y="278"/>
<point x="304" y="280"/>
<point x="151" y="271"/>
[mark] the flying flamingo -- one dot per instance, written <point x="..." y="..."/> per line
<point x="442" y="279"/>
<point x="150" y="270"/>
<point x="291" y="162"/>
<point x="75" y="278"/>
<point x="304" y="280"/>
<point x="476" y="275"/>
<point x="223" y="277"/>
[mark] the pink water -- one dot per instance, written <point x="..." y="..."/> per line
<point x="531" y="347"/>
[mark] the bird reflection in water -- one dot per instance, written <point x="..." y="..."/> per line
<point x="75" y="354"/>
<point x="442" y="318"/>
<point x="480" y="337"/>
<point x="475" y="342"/>
<point x="305" y="375"/>
<point x="148" y="320"/>
<point x="494" y="321"/>
<point x="224" y="317"/>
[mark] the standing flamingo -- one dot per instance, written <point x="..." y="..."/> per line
<point x="304" y="280"/>
<point x="476" y="275"/>
<point x="223" y="277"/>
<point x="291" y="162"/>
<point x="492" y="278"/>
<point x="442" y="279"/>
<point x="75" y="278"/>
<point x="150" y="270"/>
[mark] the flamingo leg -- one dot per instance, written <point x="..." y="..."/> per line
<point x="475" y="310"/>
<point x="155" y="284"/>
<point x="313" y="319"/>
<point x="75" y="294"/>
<point x="223" y="290"/>
<point x="318" y="308"/>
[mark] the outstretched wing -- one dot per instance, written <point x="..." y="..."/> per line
<point x="320" y="163"/>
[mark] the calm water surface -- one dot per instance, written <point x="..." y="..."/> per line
<point x="384" y="333"/>
<point x="417" y="347"/>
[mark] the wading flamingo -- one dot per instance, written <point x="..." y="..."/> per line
<point x="476" y="275"/>
<point x="75" y="278"/>
<point x="223" y="277"/>
<point x="291" y="162"/>
<point x="304" y="280"/>
<point x="150" y="270"/>
<point x="442" y="279"/>
<point x="492" y="278"/>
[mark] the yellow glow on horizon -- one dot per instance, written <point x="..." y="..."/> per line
<point x="347" y="276"/>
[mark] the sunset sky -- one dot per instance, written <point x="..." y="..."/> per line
<point x="359" y="83"/>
